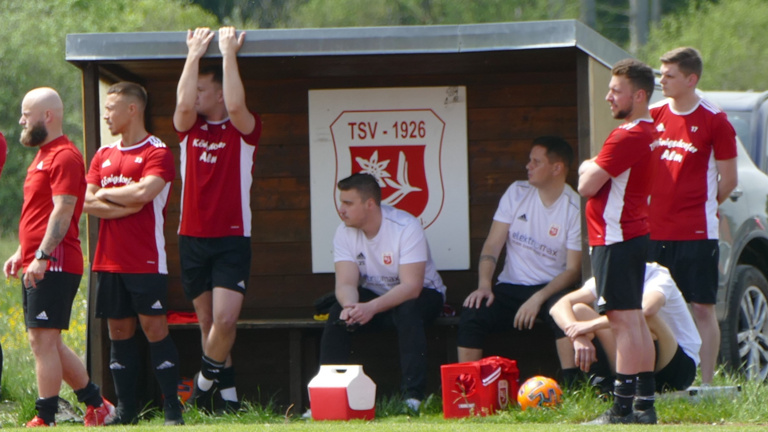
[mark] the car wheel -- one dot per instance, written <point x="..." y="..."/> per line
<point x="744" y="342"/>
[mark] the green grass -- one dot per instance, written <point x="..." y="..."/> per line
<point x="744" y="412"/>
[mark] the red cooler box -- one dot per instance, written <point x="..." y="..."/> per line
<point x="342" y="392"/>
<point x="480" y="387"/>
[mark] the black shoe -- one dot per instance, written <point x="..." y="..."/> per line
<point x="122" y="418"/>
<point x="228" y="407"/>
<point x="645" y="416"/>
<point x="172" y="410"/>
<point x="201" y="399"/>
<point x="609" y="417"/>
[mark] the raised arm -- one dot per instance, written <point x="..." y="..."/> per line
<point x="186" y="93"/>
<point x="234" y="92"/>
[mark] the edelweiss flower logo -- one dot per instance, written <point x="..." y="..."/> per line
<point x="377" y="169"/>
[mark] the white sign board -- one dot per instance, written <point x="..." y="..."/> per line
<point x="414" y="141"/>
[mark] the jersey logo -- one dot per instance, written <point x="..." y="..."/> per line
<point x="694" y="128"/>
<point x="523" y="218"/>
<point x="40" y="165"/>
<point x="138" y="159"/>
<point x="660" y="127"/>
<point x="601" y="301"/>
<point x="106" y="163"/>
<point x="241" y="284"/>
<point x="157" y="305"/>
<point x="387" y="258"/>
<point x="165" y="365"/>
<point x="360" y="259"/>
<point x="42" y="315"/>
<point x="116" y="366"/>
<point x="554" y="229"/>
<point x="204" y="127"/>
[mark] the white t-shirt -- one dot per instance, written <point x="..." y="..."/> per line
<point x="674" y="312"/>
<point x="539" y="236"/>
<point x="400" y="240"/>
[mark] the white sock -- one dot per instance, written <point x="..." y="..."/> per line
<point x="229" y="394"/>
<point x="204" y="383"/>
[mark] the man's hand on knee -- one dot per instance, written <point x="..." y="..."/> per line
<point x="476" y="297"/>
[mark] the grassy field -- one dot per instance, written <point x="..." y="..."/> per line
<point x="747" y="411"/>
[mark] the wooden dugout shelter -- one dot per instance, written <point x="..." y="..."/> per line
<point x="522" y="80"/>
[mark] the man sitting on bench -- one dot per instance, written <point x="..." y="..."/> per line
<point x="385" y="278"/>
<point x="538" y="220"/>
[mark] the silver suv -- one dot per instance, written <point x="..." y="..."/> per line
<point x="742" y="303"/>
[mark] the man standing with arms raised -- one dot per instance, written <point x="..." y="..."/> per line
<point x="219" y="136"/>
<point x="695" y="163"/>
<point x="617" y="183"/>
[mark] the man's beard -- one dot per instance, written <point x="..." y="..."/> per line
<point x="35" y="135"/>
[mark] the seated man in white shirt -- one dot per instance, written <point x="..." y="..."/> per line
<point x="539" y="223"/>
<point x="672" y="327"/>
<point x="385" y="278"/>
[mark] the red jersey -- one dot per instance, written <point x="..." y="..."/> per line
<point x="217" y="173"/>
<point x="684" y="193"/>
<point x="3" y="152"/>
<point x="619" y="210"/>
<point x="57" y="169"/>
<point x="134" y="243"/>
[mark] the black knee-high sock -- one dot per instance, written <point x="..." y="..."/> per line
<point x="623" y="394"/>
<point x="227" y="384"/>
<point x="646" y="389"/>
<point x="90" y="395"/>
<point x="124" y="365"/>
<point x="165" y="363"/>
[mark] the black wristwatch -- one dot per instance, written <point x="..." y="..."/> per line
<point x="39" y="254"/>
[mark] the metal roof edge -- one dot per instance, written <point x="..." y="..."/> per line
<point x="354" y="41"/>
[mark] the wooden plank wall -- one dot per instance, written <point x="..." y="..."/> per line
<point x="511" y="98"/>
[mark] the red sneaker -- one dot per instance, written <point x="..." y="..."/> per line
<point x="38" y="422"/>
<point x="98" y="416"/>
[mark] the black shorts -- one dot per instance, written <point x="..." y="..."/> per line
<point x="50" y="304"/>
<point x="206" y="263"/>
<point x="692" y="264"/>
<point x="476" y="324"/>
<point x="124" y="295"/>
<point x="619" y="271"/>
<point x="678" y="374"/>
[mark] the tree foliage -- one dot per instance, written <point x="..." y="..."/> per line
<point x="730" y="37"/>
<point x="33" y="55"/>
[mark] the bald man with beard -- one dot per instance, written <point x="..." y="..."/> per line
<point x="49" y="259"/>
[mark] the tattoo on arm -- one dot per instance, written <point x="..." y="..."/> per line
<point x="490" y="258"/>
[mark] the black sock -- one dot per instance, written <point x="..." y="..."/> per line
<point x="211" y="369"/>
<point x="165" y="363"/>
<point x="645" y="393"/>
<point x="90" y="395"/>
<point x="47" y="408"/>
<point x="124" y="366"/>
<point x="623" y="394"/>
<point x="571" y="376"/>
